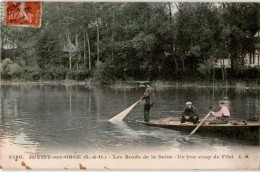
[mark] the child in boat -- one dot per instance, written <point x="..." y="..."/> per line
<point x="222" y="116"/>
<point x="190" y="114"/>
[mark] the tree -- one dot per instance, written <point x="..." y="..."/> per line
<point x="241" y="24"/>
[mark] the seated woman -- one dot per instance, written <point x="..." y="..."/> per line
<point x="190" y="114"/>
<point x="222" y="116"/>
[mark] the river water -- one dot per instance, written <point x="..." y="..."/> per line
<point x="50" y="118"/>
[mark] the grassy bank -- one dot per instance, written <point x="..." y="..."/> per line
<point x="206" y="84"/>
<point x="158" y="84"/>
<point x="48" y="83"/>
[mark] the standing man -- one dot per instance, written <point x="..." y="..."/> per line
<point x="147" y="101"/>
<point x="190" y="114"/>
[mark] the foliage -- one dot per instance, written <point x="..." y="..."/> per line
<point x="142" y="41"/>
<point x="31" y="73"/>
<point x="105" y="73"/>
<point x="78" y="75"/>
<point x="10" y="69"/>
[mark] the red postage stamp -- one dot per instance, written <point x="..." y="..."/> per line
<point x="27" y="14"/>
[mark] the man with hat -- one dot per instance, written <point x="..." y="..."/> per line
<point x="190" y="114"/>
<point x="147" y="101"/>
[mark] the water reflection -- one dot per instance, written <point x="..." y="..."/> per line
<point x="77" y="118"/>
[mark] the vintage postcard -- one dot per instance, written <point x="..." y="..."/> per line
<point x="130" y="85"/>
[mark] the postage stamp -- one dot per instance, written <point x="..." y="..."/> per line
<point x="27" y="14"/>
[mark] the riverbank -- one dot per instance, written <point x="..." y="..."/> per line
<point x="48" y="83"/>
<point x="158" y="84"/>
<point x="207" y="84"/>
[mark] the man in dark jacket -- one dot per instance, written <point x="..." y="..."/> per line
<point x="190" y="114"/>
<point x="147" y="101"/>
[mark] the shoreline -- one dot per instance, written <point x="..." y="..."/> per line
<point x="133" y="84"/>
<point x="46" y="83"/>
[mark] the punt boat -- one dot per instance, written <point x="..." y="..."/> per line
<point x="235" y="129"/>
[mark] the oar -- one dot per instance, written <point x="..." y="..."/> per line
<point x="173" y="111"/>
<point x="194" y="130"/>
<point x="119" y="117"/>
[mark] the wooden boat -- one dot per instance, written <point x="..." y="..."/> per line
<point x="234" y="129"/>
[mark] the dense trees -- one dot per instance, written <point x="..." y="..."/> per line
<point x="111" y="41"/>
